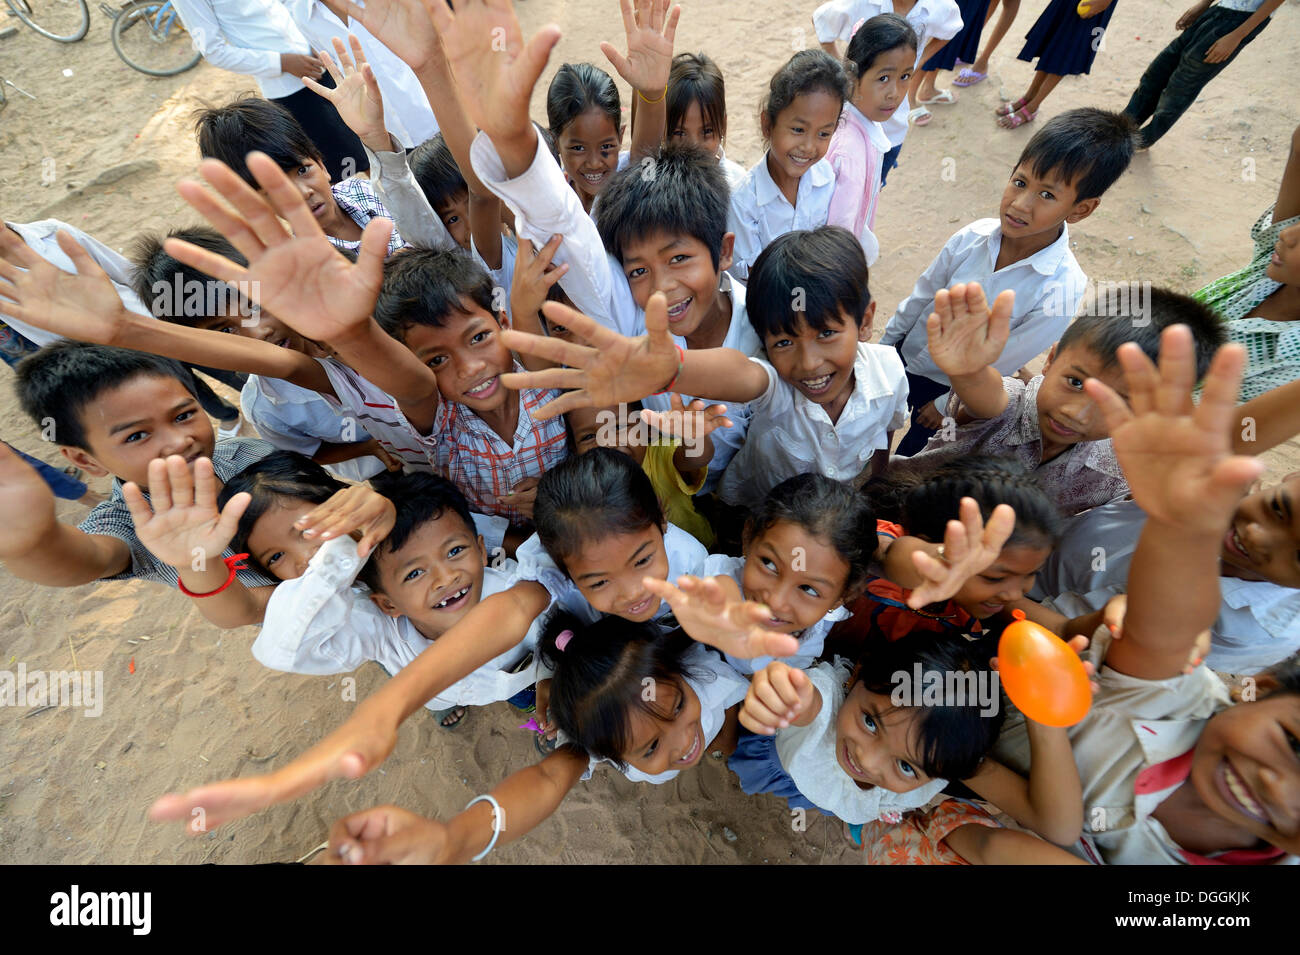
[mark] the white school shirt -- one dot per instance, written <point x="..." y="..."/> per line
<point x="838" y="19"/>
<point x="545" y="204"/>
<point x="810" y="755"/>
<point x="320" y="623"/>
<point x="1048" y="285"/>
<point x="1258" y="622"/>
<point x="40" y="238"/>
<point x="792" y="435"/>
<point x="760" y="211"/>
<point x="811" y="642"/>
<point x="246" y="36"/>
<point x="733" y="171"/>
<point x="718" y="687"/>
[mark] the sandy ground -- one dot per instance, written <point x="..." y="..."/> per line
<point x="198" y="708"/>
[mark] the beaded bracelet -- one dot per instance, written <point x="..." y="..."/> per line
<point x="681" y="363"/>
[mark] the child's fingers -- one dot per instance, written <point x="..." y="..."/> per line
<point x="283" y="201"/>
<point x="754" y="723"/>
<point x="16" y="252"/>
<point x="546" y="253"/>
<point x="576" y="357"/>
<point x="205" y="484"/>
<point x="160" y="489"/>
<point x="1000" y="317"/>
<point x="208" y="262"/>
<point x="1141" y="375"/>
<point x="1114" y="411"/>
<point x="782" y="681"/>
<point x="663" y="590"/>
<point x="325" y="91"/>
<point x="1177" y="371"/>
<point x="228" y="521"/>
<point x="138" y="507"/>
<point x="999" y="527"/>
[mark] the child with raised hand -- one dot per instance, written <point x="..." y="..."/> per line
<point x="1048" y="423"/>
<point x="1172" y="772"/>
<point x="1057" y="181"/>
<point x="792" y="185"/>
<point x="697" y="110"/>
<point x="879" y="61"/>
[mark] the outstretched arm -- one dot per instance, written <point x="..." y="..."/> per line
<point x="1263" y="423"/>
<point x="1288" y="194"/>
<point x="935" y="572"/>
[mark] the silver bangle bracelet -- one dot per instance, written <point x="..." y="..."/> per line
<point x="498" y="822"/>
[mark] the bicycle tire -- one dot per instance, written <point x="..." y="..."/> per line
<point x="137" y="15"/>
<point x="23" y="11"/>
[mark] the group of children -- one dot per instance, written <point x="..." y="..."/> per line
<point x="628" y="445"/>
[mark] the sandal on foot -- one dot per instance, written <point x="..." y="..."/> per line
<point x="1006" y="109"/>
<point x="1018" y="118"/>
<point x="940" y="96"/>
<point x="451" y="714"/>
<point x="969" y="77"/>
<point x="544" y="746"/>
<point x="920" y="116"/>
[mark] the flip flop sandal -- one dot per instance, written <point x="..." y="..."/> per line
<point x="920" y="116"/>
<point x="544" y="746"/>
<point x="969" y="77"/>
<point x="441" y="715"/>
<point x="1018" y="118"/>
<point x="1006" y="109"/>
<point x="940" y="96"/>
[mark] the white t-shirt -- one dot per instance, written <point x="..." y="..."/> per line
<point x="760" y="211"/>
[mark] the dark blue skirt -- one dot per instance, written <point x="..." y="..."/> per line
<point x="757" y="764"/>
<point x="1063" y="42"/>
<point x="965" y="46"/>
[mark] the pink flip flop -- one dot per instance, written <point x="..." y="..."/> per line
<point x="1018" y="118"/>
<point x="969" y="77"/>
<point x="1006" y="109"/>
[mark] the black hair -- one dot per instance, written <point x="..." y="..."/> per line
<point x="164" y="283"/>
<point x="599" y="678"/>
<point x="590" y="496"/>
<point x="278" y="476"/>
<point x="695" y="78"/>
<point x="953" y="737"/>
<point x="925" y="503"/>
<point x="680" y="192"/>
<point x="436" y="172"/>
<point x="629" y="409"/>
<point x="419" y="498"/>
<point x="1088" y="147"/>
<point x="424" y="287"/>
<point x="808" y="71"/>
<point x="877" y="36"/>
<point x="827" y="509"/>
<point x="231" y="132"/>
<point x="807" y="276"/>
<point x="576" y="88"/>
<point x="1133" y="312"/>
<point x="55" y="384"/>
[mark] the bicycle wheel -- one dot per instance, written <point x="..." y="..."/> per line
<point x="64" y="20"/>
<point x="153" y="40"/>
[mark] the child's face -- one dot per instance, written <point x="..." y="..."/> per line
<point x="883" y="86"/>
<point x="313" y="182"/>
<point x="455" y="216"/>
<point x="146" y="417"/>
<point x="1284" y="266"/>
<point x="263" y="327"/>
<point x="467" y="355"/>
<point x="1246" y="768"/>
<point x="435" y="577"/>
<point x="561" y="332"/>
<point x="1263" y="542"/>
<point x="681" y="267"/>
<point x="608" y="571"/>
<point x="1008" y="579"/>
<point x="800" y="577"/>
<point x="819" y="364"/>
<point x="802" y="132"/>
<point x="1066" y="415"/>
<point x="659" y="745"/>
<point x="606" y="428"/>
<point x="1033" y="204"/>
<point x="589" y="151"/>
<point x="874" y="742"/>
<point x="697" y="130"/>
<point x="276" y="544"/>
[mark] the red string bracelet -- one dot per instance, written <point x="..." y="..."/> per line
<point x="232" y="564"/>
<point x="681" y="363"/>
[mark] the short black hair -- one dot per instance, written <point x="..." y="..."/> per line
<point x="424" y="287"/>
<point x="163" y="282"/>
<point x="576" y="88"/>
<point x="680" y="192"/>
<point x="56" y="384"/>
<point x="807" y="276"/>
<point x="231" y="132"/>
<point x="589" y="496"/>
<point x="1139" y="312"/>
<point x="878" y="35"/>
<point x="695" y="78"/>
<point x="808" y="71"/>
<point x="419" y="498"/>
<point x="436" y="172"/>
<point x="1088" y="147"/>
<point x="954" y="736"/>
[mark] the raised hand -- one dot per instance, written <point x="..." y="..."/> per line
<point x="495" y="70"/>
<point x="777" y="695"/>
<point x="969" y="545"/>
<point x="180" y="522"/>
<point x="712" y="611"/>
<point x="610" y="369"/>
<point x="404" y="26"/>
<point x="651" y="28"/>
<point x="83" y="305"/>
<point x="534" y="276"/>
<point x="355" y="95"/>
<point x="299" y="277"/>
<point x="387" y="835"/>
<point x="691" y="424"/>
<point x="966" y="336"/>
<point x="1176" y="454"/>
<point x="357" y="508"/>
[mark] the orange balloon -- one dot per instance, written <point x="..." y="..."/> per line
<point x="1043" y="677"/>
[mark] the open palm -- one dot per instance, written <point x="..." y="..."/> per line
<point x="651" y="29"/>
<point x="180" y="521"/>
<point x="964" y="334"/>
<point x="355" y="94"/>
<point x="713" y="611"/>
<point x="84" y="306"/>
<point x="404" y="26"/>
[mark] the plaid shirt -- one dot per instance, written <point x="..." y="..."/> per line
<point x="485" y="468"/>
<point x="357" y="198"/>
<point x="112" y="519"/>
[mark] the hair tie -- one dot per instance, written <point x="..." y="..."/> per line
<point x="563" y="639"/>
